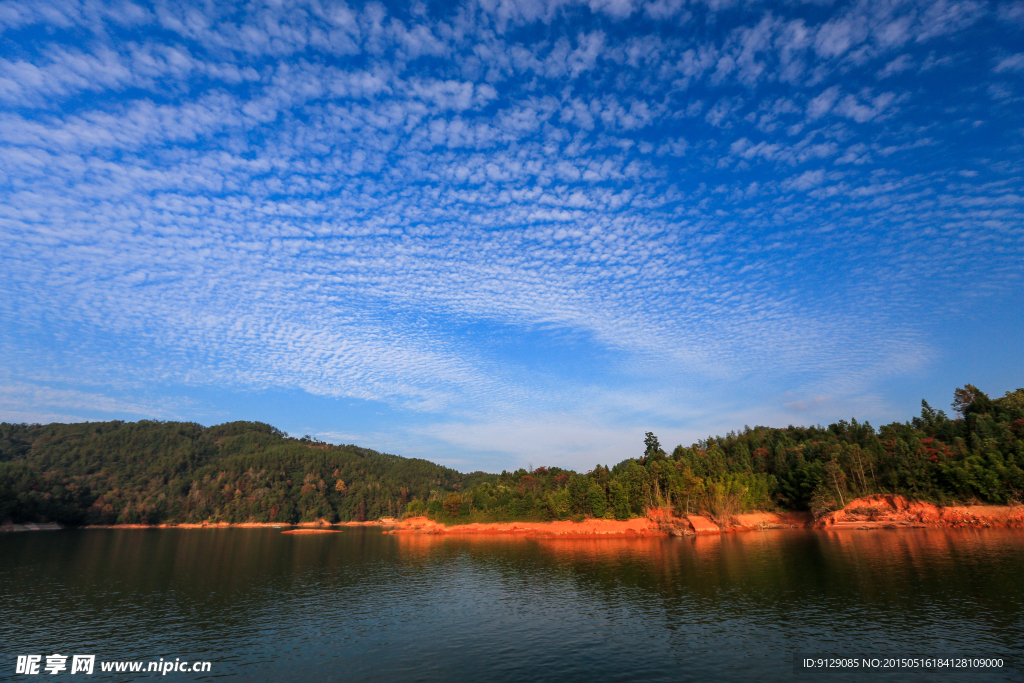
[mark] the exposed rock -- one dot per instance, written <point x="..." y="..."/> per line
<point x="889" y="511"/>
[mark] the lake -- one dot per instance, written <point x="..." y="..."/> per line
<point x="360" y="605"/>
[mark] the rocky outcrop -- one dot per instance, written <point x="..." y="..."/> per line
<point x="318" y="523"/>
<point x="691" y="525"/>
<point x="890" y="511"/>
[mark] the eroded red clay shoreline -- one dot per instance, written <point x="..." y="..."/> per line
<point x="875" y="512"/>
<point x="872" y="512"/>
<point x="657" y="523"/>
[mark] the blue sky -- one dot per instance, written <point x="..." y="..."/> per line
<point x="501" y="233"/>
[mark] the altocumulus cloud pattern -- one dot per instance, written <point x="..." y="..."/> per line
<point x="510" y="230"/>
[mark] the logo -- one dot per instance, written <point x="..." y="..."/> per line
<point x="55" y="664"/>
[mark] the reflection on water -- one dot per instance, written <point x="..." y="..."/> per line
<point x="362" y="605"/>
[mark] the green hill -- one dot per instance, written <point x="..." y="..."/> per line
<point x="153" y="472"/>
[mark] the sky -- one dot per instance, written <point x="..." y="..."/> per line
<point x="509" y="233"/>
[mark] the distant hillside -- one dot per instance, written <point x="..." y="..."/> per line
<point x="153" y="472"/>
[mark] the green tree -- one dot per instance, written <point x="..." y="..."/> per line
<point x="963" y="397"/>
<point x="1012" y="399"/>
<point x="620" y="499"/>
<point x="652" y="448"/>
<point x="836" y="478"/>
<point x="822" y="501"/>
<point x="452" y="504"/>
<point x="597" y="501"/>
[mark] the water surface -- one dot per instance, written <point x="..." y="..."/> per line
<point x="365" y="606"/>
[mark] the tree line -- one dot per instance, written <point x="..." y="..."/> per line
<point x="152" y="472"/>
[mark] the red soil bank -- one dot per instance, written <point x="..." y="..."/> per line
<point x="896" y="511"/>
<point x="872" y="512"/>
<point x="657" y="523"/>
<point x="590" y="527"/>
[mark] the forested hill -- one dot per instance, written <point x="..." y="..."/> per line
<point x="152" y="472"/>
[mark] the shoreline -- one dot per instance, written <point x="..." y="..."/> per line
<point x="656" y="524"/>
<point x="870" y="512"/>
<point x="320" y="524"/>
<point x="889" y="511"/>
<point x="862" y="514"/>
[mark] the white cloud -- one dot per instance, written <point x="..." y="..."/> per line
<point x="896" y="66"/>
<point x="805" y="181"/>
<point x="804" y="405"/>
<point x="861" y="112"/>
<point x="836" y="37"/>
<point x="823" y="103"/>
<point x="1012" y="12"/>
<point x="665" y="9"/>
<point x="491" y="218"/>
<point x="1012" y="63"/>
<point x="943" y="17"/>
